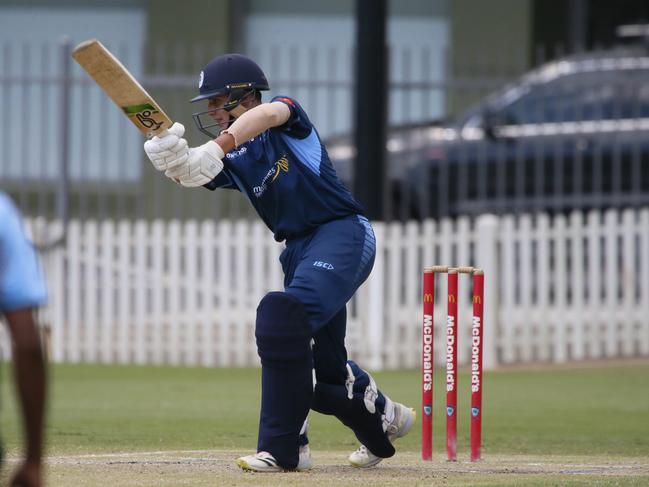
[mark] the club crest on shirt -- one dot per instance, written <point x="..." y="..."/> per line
<point x="280" y="166"/>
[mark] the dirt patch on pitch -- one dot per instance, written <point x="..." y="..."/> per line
<point x="209" y="468"/>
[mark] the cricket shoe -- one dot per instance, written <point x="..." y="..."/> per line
<point x="403" y="419"/>
<point x="265" y="462"/>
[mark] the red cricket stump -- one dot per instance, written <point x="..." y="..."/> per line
<point x="427" y="366"/>
<point x="476" y="364"/>
<point x="451" y="367"/>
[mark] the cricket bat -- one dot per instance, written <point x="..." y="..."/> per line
<point x="121" y="87"/>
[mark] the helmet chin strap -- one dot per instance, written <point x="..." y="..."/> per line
<point x="237" y="111"/>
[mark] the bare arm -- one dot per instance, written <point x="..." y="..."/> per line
<point x="30" y="381"/>
<point x="253" y="122"/>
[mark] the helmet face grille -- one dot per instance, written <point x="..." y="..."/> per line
<point x="207" y="125"/>
<point x="205" y="121"/>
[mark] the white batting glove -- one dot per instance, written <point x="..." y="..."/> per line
<point x="203" y="164"/>
<point x="169" y="149"/>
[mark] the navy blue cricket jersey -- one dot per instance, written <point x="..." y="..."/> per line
<point x="287" y="175"/>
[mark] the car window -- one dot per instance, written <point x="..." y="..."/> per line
<point x="582" y="97"/>
<point x="642" y="94"/>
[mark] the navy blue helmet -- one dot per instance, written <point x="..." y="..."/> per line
<point x="234" y="75"/>
<point x="227" y="73"/>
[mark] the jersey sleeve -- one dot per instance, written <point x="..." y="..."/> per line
<point x="298" y="124"/>
<point x="21" y="281"/>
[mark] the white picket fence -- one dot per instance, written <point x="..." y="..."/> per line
<point x="556" y="289"/>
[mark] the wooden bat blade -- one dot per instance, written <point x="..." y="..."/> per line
<point x="120" y="85"/>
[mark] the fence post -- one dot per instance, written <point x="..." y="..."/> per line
<point x="54" y="264"/>
<point x="487" y="233"/>
<point x="375" y="311"/>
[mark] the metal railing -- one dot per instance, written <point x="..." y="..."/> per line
<point x="66" y="151"/>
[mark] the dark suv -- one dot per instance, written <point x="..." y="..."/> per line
<point x="573" y="133"/>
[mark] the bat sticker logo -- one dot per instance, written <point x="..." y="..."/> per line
<point x="145" y="119"/>
<point x="144" y="115"/>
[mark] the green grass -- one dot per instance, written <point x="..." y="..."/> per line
<point x="591" y="410"/>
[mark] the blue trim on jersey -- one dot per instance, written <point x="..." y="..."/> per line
<point x="307" y="150"/>
<point x="369" y="245"/>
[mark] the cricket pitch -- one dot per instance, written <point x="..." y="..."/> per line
<point x="214" y="467"/>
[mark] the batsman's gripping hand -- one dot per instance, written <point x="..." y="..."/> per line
<point x="169" y="149"/>
<point x="203" y="164"/>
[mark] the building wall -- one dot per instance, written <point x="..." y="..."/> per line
<point x="488" y="38"/>
<point x="307" y="52"/>
<point x="33" y="36"/>
<point x="193" y="21"/>
<point x="169" y="41"/>
<point x="182" y="38"/>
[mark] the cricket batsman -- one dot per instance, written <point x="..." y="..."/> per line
<point x="272" y="153"/>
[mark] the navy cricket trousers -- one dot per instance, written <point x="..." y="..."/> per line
<point x="323" y="271"/>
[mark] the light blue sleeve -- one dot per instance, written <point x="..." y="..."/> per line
<point x="21" y="280"/>
<point x="307" y="150"/>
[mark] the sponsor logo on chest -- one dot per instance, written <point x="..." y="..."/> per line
<point x="280" y="166"/>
